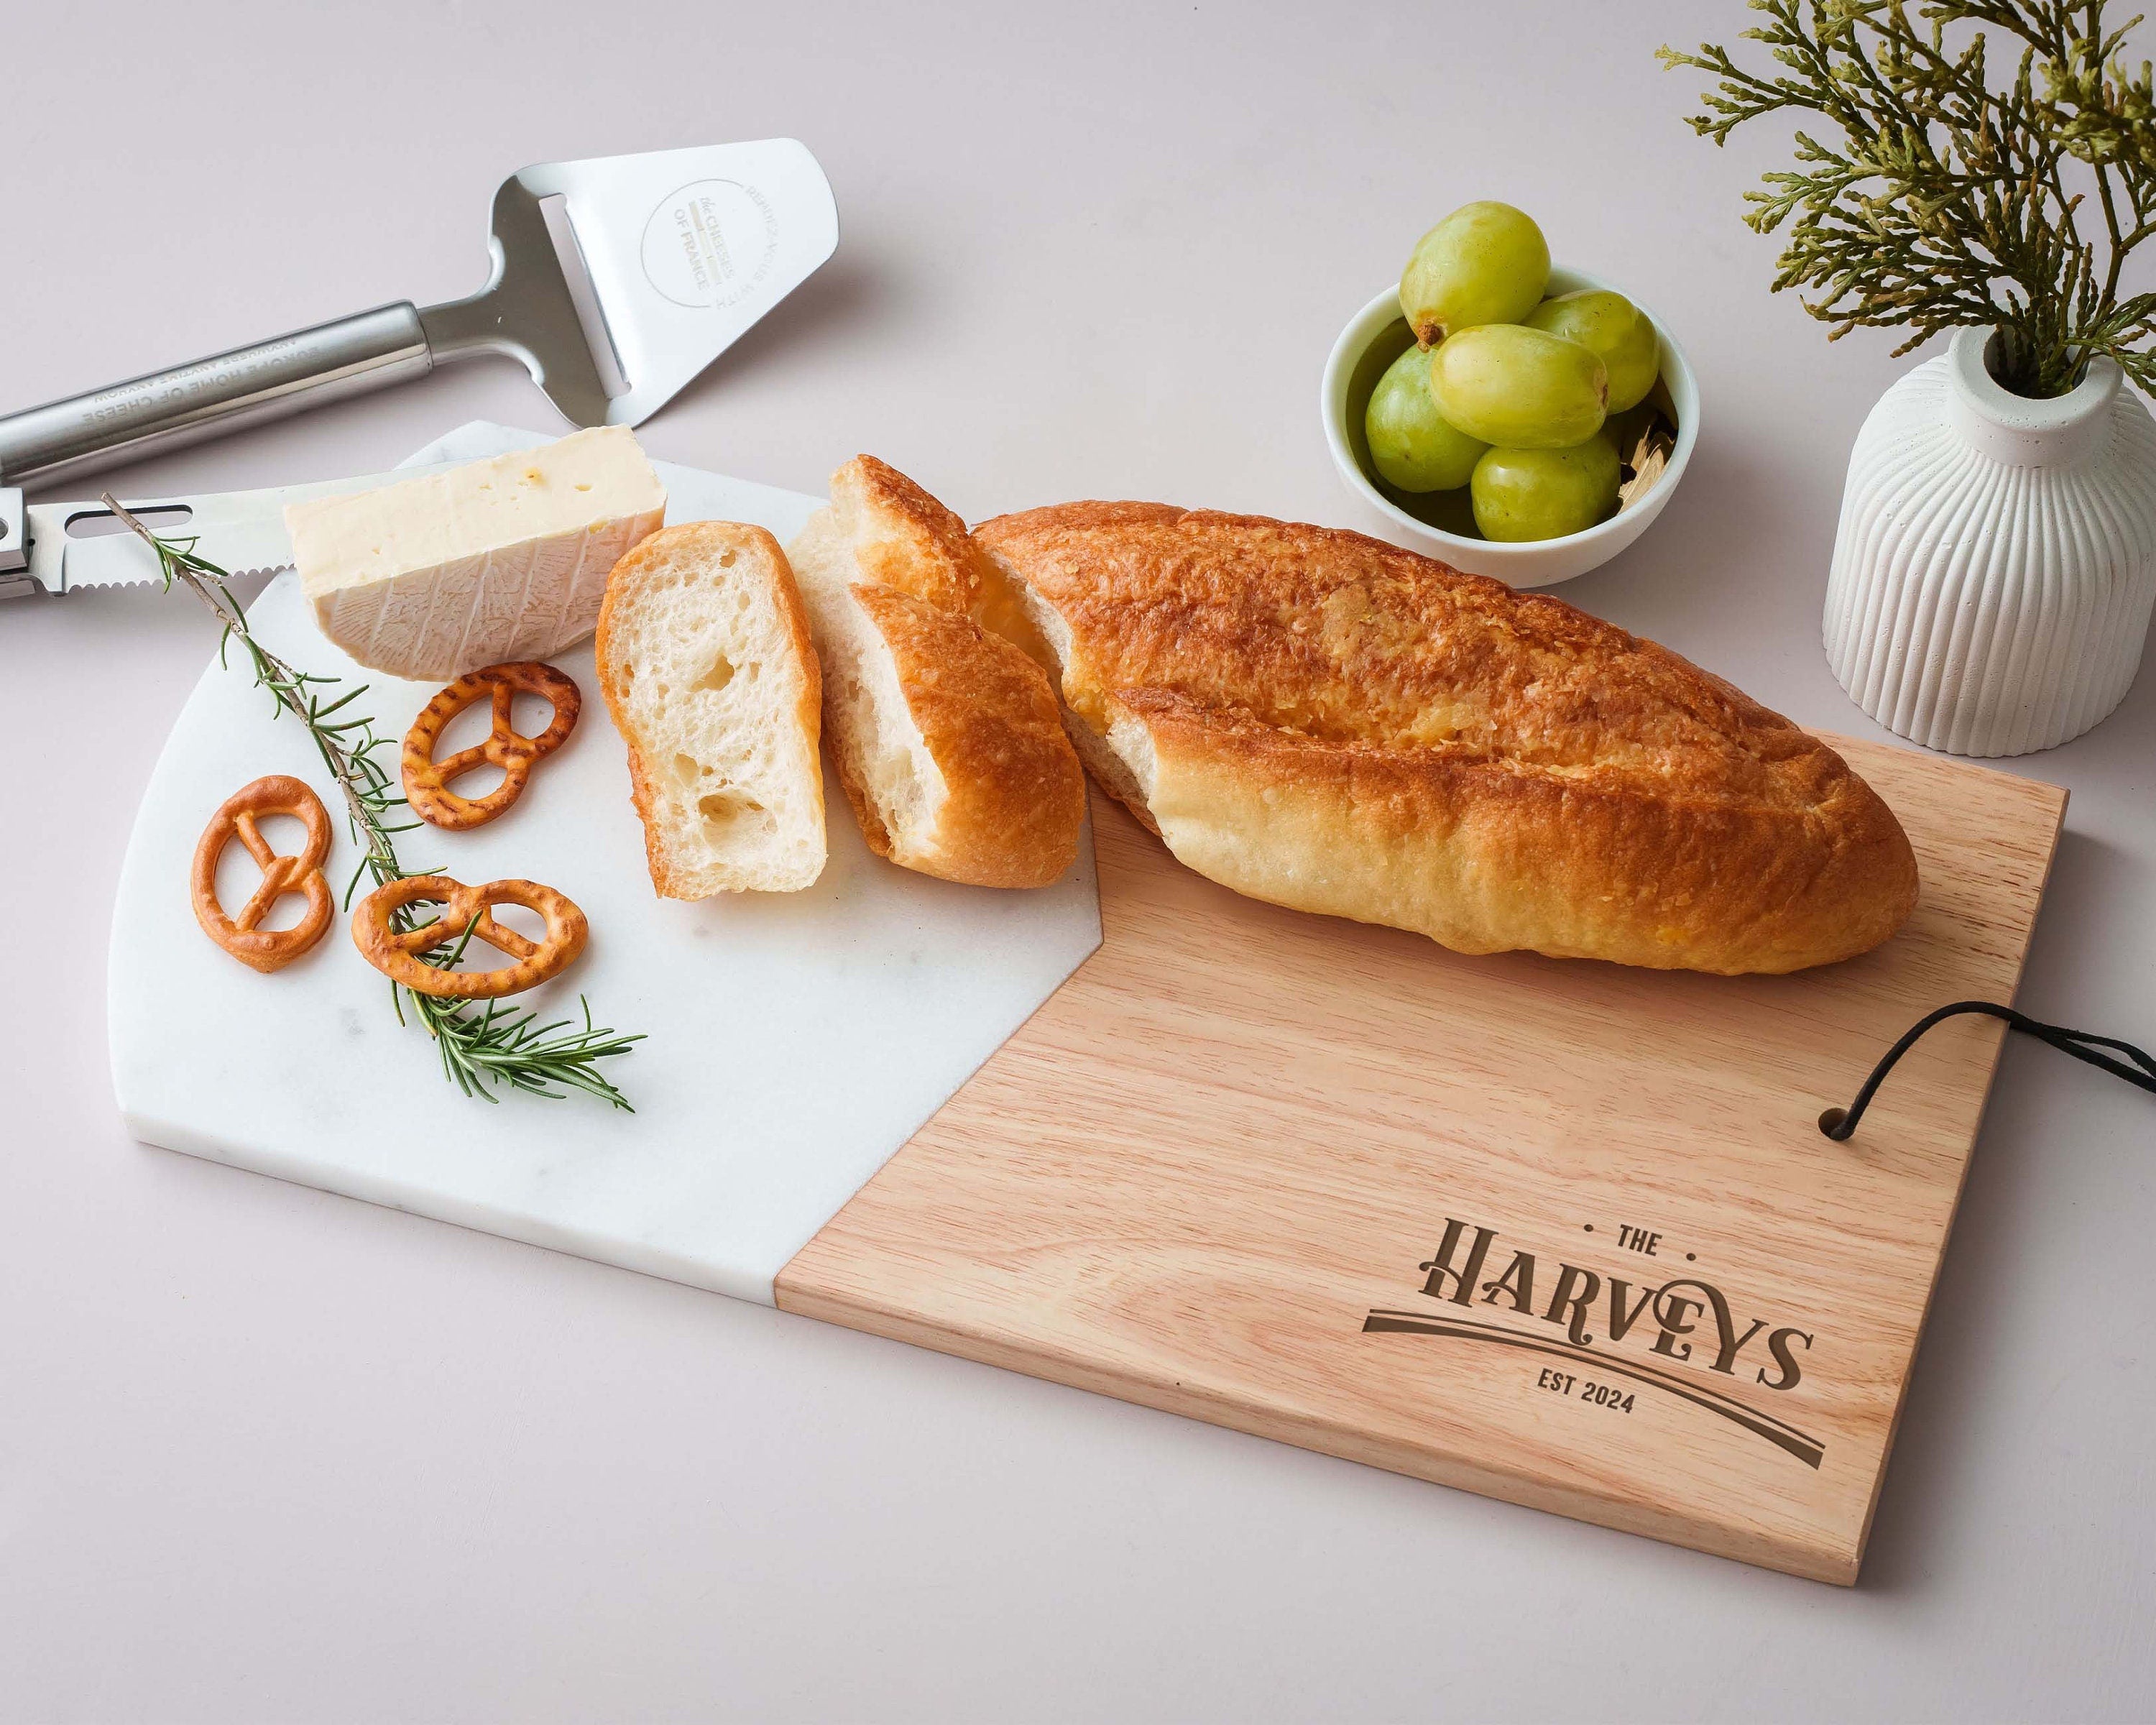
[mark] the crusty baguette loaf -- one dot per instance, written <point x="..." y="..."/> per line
<point x="704" y="659"/>
<point x="946" y="738"/>
<point x="1331" y="723"/>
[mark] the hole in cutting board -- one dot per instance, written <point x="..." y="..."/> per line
<point x="583" y="295"/>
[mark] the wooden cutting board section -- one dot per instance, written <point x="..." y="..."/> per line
<point x="1554" y="1231"/>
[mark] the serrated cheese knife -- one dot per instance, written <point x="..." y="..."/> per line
<point x="56" y="547"/>
<point x="616" y="280"/>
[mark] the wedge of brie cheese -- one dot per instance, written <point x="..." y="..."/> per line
<point x="505" y="559"/>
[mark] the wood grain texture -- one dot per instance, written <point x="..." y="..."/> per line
<point x="1238" y="1132"/>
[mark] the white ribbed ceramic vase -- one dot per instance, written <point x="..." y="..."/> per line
<point x="1996" y="561"/>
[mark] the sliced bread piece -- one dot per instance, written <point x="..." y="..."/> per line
<point x="948" y="738"/>
<point x="704" y="658"/>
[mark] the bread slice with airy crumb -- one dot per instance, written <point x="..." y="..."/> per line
<point x="947" y="739"/>
<point x="704" y="658"/>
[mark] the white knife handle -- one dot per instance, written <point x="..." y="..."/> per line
<point x="214" y="396"/>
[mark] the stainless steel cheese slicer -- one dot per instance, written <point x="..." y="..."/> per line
<point x="616" y="279"/>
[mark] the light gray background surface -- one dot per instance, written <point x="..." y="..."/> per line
<point x="268" y="1455"/>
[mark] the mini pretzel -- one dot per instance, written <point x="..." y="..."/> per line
<point x="266" y="949"/>
<point x="395" y="952"/>
<point x="427" y="780"/>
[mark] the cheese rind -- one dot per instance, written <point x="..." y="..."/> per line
<point x="503" y="559"/>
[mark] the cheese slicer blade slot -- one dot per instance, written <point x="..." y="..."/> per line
<point x="583" y="295"/>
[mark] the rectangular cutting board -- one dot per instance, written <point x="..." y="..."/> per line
<point x="1558" y="1232"/>
<point x="1325" y="1182"/>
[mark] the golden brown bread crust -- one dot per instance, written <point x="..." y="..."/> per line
<point x="906" y="539"/>
<point x="1014" y="795"/>
<point x="622" y="584"/>
<point x="1330" y="722"/>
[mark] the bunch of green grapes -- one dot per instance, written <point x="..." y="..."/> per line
<point x="1505" y="392"/>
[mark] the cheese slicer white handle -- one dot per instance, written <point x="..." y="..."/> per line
<point x="211" y="397"/>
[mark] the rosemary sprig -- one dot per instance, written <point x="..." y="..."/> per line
<point x="1951" y="197"/>
<point x="479" y="1043"/>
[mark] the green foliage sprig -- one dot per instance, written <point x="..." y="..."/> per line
<point x="480" y="1043"/>
<point x="1949" y="200"/>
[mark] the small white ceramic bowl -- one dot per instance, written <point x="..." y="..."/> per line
<point x="1377" y="336"/>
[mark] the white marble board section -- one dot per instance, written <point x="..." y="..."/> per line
<point x="796" y="1040"/>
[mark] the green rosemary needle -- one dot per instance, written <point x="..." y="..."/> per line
<point x="481" y="1043"/>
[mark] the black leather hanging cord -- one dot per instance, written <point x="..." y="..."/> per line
<point x="1838" y="1123"/>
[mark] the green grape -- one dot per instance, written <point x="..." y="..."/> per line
<point x="1519" y="388"/>
<point x="1485" y="263"/>
<point x="1410" y="444"/>
<point x="1615" y="331"/>
<point x="1448" y="511"/>
<point x="1545" y="494"/>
